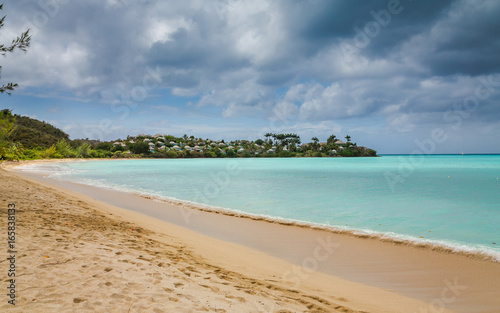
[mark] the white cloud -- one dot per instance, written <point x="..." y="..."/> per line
<point x="331" y="102"/>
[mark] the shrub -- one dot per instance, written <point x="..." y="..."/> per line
<point x="104" y="146"/>
<point x="63" y="148"/>
<point x="346" y="153"/>
<point x="49" y="152"/>
<point x="172" y="154"/>
<point x="209" y="154"/>
<point x="284" y="154"/>
<point x="140" y="148"/>
<point x="83" y="150"/>
<point x="118" y="148"/>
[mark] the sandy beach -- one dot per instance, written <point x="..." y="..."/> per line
<point x="80" y="249"/>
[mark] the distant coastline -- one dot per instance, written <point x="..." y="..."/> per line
<point x="25" y="138"/>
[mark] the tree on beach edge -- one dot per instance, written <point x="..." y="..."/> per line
<point x="22" y="42"/>
<point x="7" y="120"/>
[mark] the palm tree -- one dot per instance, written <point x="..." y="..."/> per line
<point x="281" y="139"/>
<point x="267" y="135"/>
<point x="294" y="142"/>
<point x="331" y="139"/>
<point x="315" y="144"/>
<point x="348" y="138"/>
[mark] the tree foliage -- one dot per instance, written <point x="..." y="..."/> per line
<point x="33" y="133"/>
<point x="139" y="148"/>
<point x="22" y="42"/>
<point x="332" y="139"/>
<point x="83" y="151"/>
<point x="22" y="137"/>
<point x="64" y="149"/>
<point x="6" y="123"/>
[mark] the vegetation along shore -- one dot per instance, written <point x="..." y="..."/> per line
<point x="25" y="138"/>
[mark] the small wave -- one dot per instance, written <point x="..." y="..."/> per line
<point x="446" y="246"/>
<point x="53" y="169"/>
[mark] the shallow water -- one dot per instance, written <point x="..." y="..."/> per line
<point x="449" y="200"/>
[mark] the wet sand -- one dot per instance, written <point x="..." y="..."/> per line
<point x="340" y="272"/>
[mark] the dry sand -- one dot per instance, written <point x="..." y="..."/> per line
<point x="76" y="254"/>
<point x="74" y="258"/>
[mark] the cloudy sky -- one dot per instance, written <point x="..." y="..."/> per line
<point x="398" y="76"/>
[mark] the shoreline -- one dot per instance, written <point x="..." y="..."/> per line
<point x="72" y="245"/>
<point x="430" y="244"/>
<point x="398" y="239"/>
<point x="383" y="273"/>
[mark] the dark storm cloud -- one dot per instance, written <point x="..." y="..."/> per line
<point x="466" y="41"/>
<point x="194" y="49"/>
<point x="241" y="55"/>
<point x="457" y="37"/>
<point x="320" y="23"/>
<point x="415" y="17"/>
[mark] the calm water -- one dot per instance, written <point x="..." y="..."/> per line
<point x="451" y="200"/>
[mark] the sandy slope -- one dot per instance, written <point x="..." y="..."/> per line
<point x="79" y="255"/>
<point x="74" y="258"/>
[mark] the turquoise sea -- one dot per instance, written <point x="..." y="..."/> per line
<point x="446" y="200"/>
